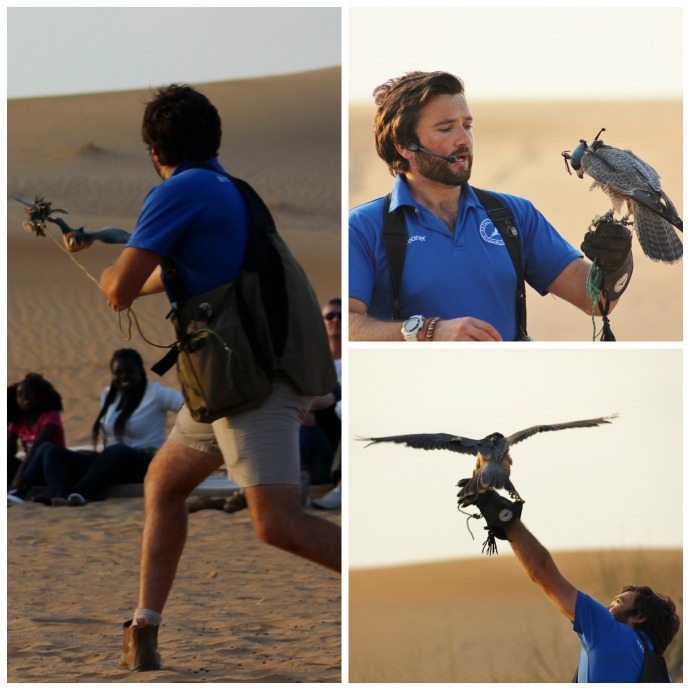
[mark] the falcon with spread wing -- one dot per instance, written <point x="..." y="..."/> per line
<point x="492" y="469"/>
<point x="630" y="181"/>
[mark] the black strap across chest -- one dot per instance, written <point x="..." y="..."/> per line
<point x="395" y="242"/>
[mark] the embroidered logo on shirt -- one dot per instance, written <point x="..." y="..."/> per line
<point x="490" y="233"/>
<point x="416" y="238"/>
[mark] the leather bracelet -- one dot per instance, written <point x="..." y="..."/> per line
<point x="430" y="327"/>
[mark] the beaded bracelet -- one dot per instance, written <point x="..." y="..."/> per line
<point x="429" y="328"/>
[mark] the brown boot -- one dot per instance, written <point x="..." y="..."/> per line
<point x="140" y="648"/>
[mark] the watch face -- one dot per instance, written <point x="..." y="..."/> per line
<point x="412" y="324"/>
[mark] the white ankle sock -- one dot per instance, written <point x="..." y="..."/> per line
<point x="149" y="616"/>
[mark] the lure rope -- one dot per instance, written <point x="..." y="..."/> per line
<point x="131" y="316"/>
<point x="476" y="516"/>
<point x="594" y="280"/>
<point x="489" y="546"/>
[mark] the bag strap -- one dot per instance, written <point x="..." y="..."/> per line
<point x="502" y="218"/>
<point x="653" y="664"/>
<point x="395" y="243"/>
<point x="260" y="257"/>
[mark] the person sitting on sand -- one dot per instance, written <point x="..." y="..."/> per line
<point x="33" y="416"/>
<point x="459" y="278"/>
<point x="131" y="425"/>
<point x="622" y="642"/>
<point x="328" y="418"/>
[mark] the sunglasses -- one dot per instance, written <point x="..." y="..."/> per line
<point x="333" y="315"/>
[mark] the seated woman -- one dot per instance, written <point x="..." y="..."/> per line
<point x="33" y="419"/>
<point x="131" y="424"/>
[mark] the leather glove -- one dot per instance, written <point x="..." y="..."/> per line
<point x="609" y="246"/>
<point x="498" y="512"/>
<point x="76" y="240"/>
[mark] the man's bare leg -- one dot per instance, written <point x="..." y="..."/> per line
<point x="173" y="474"/>
<point x="280" y="521"/>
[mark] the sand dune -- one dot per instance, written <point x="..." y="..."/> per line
<point x="483" y="620"/>
<point x="517" y="150"/>
<point x="84" y="154"/>
<point x="240" y="611"/>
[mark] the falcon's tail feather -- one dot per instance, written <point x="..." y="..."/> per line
<point x="673" y="218"/>
<point x="657" y="201"/>
<point x="487" y="478"/>
<point x="491" y="476"/>
<point x="657" y="237"/>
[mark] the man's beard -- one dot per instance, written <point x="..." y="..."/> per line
<point x="439" y="170"/>
<point x="624" y="616"/>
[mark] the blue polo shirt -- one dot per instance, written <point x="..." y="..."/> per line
<point x="467" y="272"/>
<point x="198" y="218"/>
<point x="611" y="651"/>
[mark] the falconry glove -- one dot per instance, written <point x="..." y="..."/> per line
<point x="609" y="247"/>
<point x="498" y="512"/>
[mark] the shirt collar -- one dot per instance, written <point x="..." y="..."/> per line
<point x="402" y="195"/>
<point x="210" y="164"/>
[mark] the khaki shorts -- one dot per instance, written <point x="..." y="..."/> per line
<point x="259" y="446"/>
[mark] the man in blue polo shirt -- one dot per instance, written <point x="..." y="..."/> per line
<point x="458" y="282"/>
<point x="197" y="218"/>
<point x="612" y="636"/>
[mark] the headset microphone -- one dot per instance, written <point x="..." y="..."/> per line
<point x="418" y="147"/>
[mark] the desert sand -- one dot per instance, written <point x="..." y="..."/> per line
<point x="240" y="611"/>
<point x="483" y="620"/>
<point x="517" y="150"/>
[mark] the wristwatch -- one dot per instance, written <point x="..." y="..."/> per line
<point x="411" y="327"/>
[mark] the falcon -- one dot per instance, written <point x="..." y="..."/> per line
<point x="493" y="465"/>
<point x="629" y="181"/>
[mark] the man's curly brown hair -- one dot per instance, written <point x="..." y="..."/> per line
<point x="399" y="102"/>
<point x="662" y="622"/>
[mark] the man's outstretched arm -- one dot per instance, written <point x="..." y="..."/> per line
<point x="503" y="521"/>
<point x="541" y="568"/>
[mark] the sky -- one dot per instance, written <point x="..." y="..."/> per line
<point x="614" y="486"/>
<point x="523" y="53"/>
<point x="62" y="50"/>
